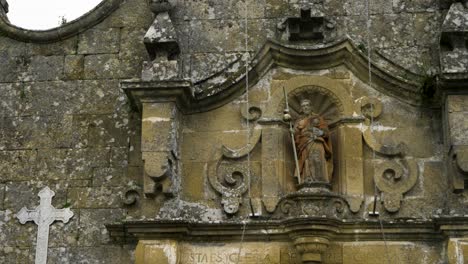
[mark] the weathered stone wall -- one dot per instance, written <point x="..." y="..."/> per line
<point x="66" y="124"/>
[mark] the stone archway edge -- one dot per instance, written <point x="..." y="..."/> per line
<point x="88" y="20"/>
<point x="229" y="84"/>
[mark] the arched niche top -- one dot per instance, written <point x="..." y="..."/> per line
<point x="86" y="21"/>
<point x="329" y="97"/>
<point x="324" y="102"/>
<point x="229" y="84"/>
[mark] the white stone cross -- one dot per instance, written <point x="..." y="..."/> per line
<point x="44" y="215"/>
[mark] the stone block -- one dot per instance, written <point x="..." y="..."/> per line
<point x="226" y="118"/>
<point x="2" y="196"/>
<point x="156" y="136"/>
<point x="40" y="132"/>
<point x="156" y="252"/>
<point x="132" y="49"/>
<point x="9" y="99"/>
<point x="416" y="6"/>
<point x="74" y="67"/>
<point x="12" y="48"/>
<point x="95" y="198"/>
<point x="92" y="225"/>
<point x="25" y="194"/>
<point x="354" y="8"/>
<point x="108" y="131"/>
<point x="119" y="157"/>
<point x="64" y="47"/>
<point x="98" y="41"/>
<point x="50" y="98"/>
<point x="109" y="177"/>
<point x="458" y="127"/>
<point x="394" y="252"/>
<point x="218" y="37"/>
<point x="233" y="9"/>
<point x="65" y="235"/>
<point x="108" y="254"/>
<point x="194" y="181"/>
<point x="206" y="146"/>
<point x="204" y="65"/>
<point x="160" y="70"/>
<point x="43" y="68"/>
<point x="133" y="13"/>
<point x="427" y="28"/>
<point x="277" y="8"/>
<point x="160" y="111"/>
<point x="457" y="103"/>
<point x="15" y="255"/>
<point x="12" y="67"/>
<point x="17" y="165"/>
<point x="102" y="66"/>
<point x="102" y="97"/>
<point x="70" y="163"/>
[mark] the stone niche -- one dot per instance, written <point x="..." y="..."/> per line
<point x="219" y="181"/>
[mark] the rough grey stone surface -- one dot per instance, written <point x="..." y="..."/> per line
<point x="65" y="122"/>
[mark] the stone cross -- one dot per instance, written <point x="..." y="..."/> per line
<point x="44" y="215"/>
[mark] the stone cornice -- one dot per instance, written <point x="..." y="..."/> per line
<point x="93" y="17"/>
<point x="225" y="86"/>
<point x="436" y="229"/>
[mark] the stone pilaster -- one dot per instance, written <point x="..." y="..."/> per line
<point x="454" y="85"/>
<point x="159" y="147"/>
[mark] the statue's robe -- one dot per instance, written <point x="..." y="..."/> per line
<point x="314" y="152"/>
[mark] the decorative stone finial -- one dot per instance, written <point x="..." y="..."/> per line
<point x="454" y="40"/>
<point x="310" y="25"/>
<point x="162" y="45"/>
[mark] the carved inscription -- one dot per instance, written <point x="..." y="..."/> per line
<point x="251" y="253"/>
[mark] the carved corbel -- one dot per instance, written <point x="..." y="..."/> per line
<point x="158" y="174"/>
<point x="395" y="175"/>
<point x="311" y="248"/>
<point x="230" y="175"/>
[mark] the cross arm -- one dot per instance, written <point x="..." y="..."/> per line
<point x="25" y="215"/>
<point x="63" y="215"/>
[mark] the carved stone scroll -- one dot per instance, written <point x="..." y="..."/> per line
<point x="394" y="178"/>
<point x="395" y="175"/>
<point x="230" y="176"/>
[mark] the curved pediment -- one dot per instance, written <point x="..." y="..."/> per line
<point x="93" y="17"/>
<point x="227" y="85"/>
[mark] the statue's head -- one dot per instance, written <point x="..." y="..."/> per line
<point x="306" y="106"/>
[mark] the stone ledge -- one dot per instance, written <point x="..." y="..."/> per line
<point x="338" y="230"/>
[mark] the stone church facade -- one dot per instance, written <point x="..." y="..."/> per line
<point x="171" y="131"/>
